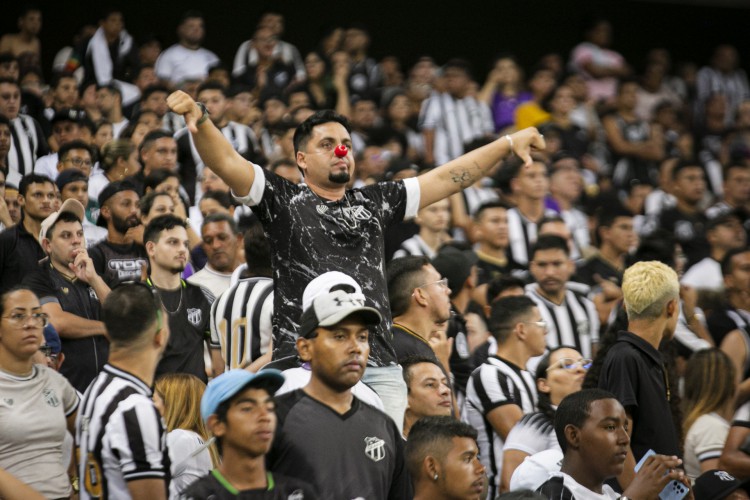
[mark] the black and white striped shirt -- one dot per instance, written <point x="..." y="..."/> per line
<point x="535" y="432"/>
<point x="241" y="137"/>
<point x="120" y="435"/>
<point x="573" y="323"/>
<point x="241" y="321"/>
<point x="456" y="122"/>
<point x="26" y="145"/>
<point x="414" y="246"/>
<point x="522" y="234"/>
<point x="493" y="384"/>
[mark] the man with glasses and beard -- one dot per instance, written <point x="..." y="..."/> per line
<point x="119" y="258"/>
<point x="188" y="306"/>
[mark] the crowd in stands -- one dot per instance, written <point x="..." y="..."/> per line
<point x="531" y="286"/>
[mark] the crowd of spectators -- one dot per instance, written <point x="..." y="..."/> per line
<point x="511" y="260"/>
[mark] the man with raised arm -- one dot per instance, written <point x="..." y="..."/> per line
<point x="321" y="226"/>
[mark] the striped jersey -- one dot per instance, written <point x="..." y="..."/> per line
<point x="241" y="321"/>
<point x="522" y="234"/>
<point x="493" y="384"/>
<point x="26" y="145"/>
<point x="535" y="432"/>
<point x="120" y="435"/>
<point x="573" y="323"/>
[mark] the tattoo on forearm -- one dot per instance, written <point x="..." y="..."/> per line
<point x="466" y="176"/>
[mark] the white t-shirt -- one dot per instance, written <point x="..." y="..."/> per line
<point x="705" y="275"/>
<point x="704" y="441"/>
<point x="178" y="63"/>
<point x="186" y="467"/>
<point x="33" y="410"/>
<point x="216" y="282"/>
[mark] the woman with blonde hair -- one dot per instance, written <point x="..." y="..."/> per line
<point x="710" y="388"/>
<point x="178" y="398"/>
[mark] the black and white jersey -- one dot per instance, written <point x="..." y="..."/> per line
<point x="535" y="432"/>
<point x="241" y="137"/>
<point x="189" y="310"/>
<point x="120" y="436"/>
<point x="241" y="321"/>
<point x="561" y="486"/>
<point x="573" y="323"/>
<point x="522" y="234"/>
<point x="492" y="385"/>
<point x="456" y="122"/>
<point x="217" y="487"/>
<point x="117" y="264"/>
<point x="310" y="236"/>
<point x="414" y="246"/>
<point x="26" y="146"/>
<point x="359" y="454"/>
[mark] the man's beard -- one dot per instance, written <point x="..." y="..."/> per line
<point x="122" y="225"/>
<point x="176" y="269"/>
<point x="339" y="178"/>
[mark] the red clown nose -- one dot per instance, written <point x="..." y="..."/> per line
<point x="340" y="151"/>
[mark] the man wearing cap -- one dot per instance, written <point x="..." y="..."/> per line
<point x="238" y="409"/>
<point x="73" y="183"/>
<point x="66" y="128"/>
<point x="122" y="442"/>
<point x="718" y="485"/>
<point x="20" y="249"/>
<point x="70" y="292"/>
<point x="333" y="228"/>
<point x="119" y="258"/>
<point x="326" y="436"/>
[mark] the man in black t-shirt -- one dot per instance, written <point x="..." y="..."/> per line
<point x="326" y="436"/>
<point x="70" y="292"/>
<point x="420" y="300"/>
<point x="687" y="221"/>
<point x="188" y="306"/>
<point x="633" y="369"/>
<point x="118" y="258"/>
<point x="320" y="226"/>
<point x="238" y="409"/>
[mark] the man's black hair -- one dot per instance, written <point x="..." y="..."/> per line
<point x="607" y="217"/>
<point x="63" y="217"/>
<point x="147" y="201"/>
<point x="433" y="435"/>
<point x="221" y="197"/>
<point x="304" y="130"/>
<point x="30" y="179"/>
<point x="501" y="284"/>
<point x="409" y="362"/>
<point x="59" y="77"/>
<point x="11" y="81"/>
<point x="505" y="313"/>
<point x="726" y="263"/>
<point x="257" y="252"/>
<point x="191" y="14"/>
<point x="152" y="137"/>
<point x="130" y="312"/>
<point x="682" y="165"/>
<point x="162" y="223"/>
<point x="574" y="410"/>
<point x="77" y="144"/>
<point x="111" y="87"/>
<point x="158" y="176"/>
<point x="549" y="242"/>
<point x="404" y="275"/>
<point x="152" y="89"/>
<point x="212" y="85"/>
<point x="488" y="205"/>
<point x="214" y="218"/>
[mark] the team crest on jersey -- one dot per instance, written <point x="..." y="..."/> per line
<point x="322" y="209"/>
<point x="297" y="495"/>
<point x="358" y="213"/>
<point x="195" y="316"/>
<point x="375" y="448"/>
<point x="92" y="294"/>
<point x="7" y="402"/>
<point x="50" y="397"/>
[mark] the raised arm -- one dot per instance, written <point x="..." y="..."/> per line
<point x="465" y="170"/>
<point x="213" y="148"/>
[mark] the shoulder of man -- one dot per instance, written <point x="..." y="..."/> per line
<point x="555" y="489"/>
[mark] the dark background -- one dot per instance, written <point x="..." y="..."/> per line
<point x="443" y="29"/>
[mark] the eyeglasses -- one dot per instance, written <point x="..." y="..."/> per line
<point x="443" y="283"/>
<point x="79" y="162"/>
<point x="540" y="324"/>
<point x="20" y="319"/>
<point x="570" y="364"/>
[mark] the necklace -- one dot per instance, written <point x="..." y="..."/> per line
<point x="161" y="298"/>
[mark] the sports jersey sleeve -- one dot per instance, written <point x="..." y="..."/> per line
<point x="710" y="435"/>
<point x="215" y="335"/>
<point x="136" y="437"/>
<point x="489" y="389"/>
<point x="401" y="482"/>
<point x="69" y="395"/>
<point x="742" y="416"/>
<point x="97" y="257"/>
<point x="620" y="377"/>
<point x="430" y="114"/>
<point x="530" y="435"/>
<point x="395" y="201"/>
<point x="257" y="190"/>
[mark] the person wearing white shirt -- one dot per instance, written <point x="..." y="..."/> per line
<point x="186" y="60"/>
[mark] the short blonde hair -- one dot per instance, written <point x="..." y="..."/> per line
<point x="647" y="287"/>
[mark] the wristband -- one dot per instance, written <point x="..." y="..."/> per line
<point x="204" y="117"/>
<point x="510" y="141"/>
